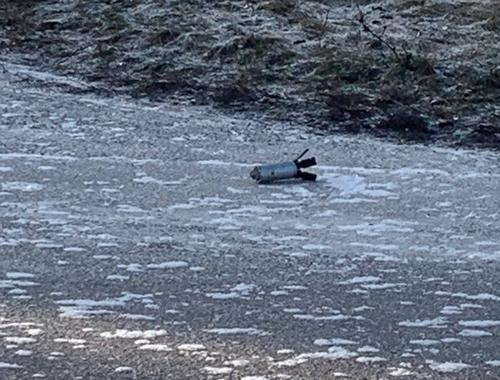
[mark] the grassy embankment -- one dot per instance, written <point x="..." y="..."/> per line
<point x="409" y="69"/>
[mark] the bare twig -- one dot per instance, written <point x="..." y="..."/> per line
<point x="378" y="37"/>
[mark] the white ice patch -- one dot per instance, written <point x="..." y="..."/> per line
<point x="82" y="308"/>
<point x="4" y="365"/>
<point x="155" y="181"/>
<point x="191" y="347"/>
<point x="300" y="191"/>
<point x="168" y="265"/>
<point x="474" y="333"/>
<point x="448" y="310"/>
<point x="493" y="363"/>
<point x="375" y="229"/>
<point x="360" y="280"/>
<point x="133" y="267"/>
<point x="384" y="286"/>
<point x="244" y="289"/>
<point x="237" y="331"/>
<point x="19" y="340"/>
<point x="23" y="352"/>
<point x="316" y="247"/>
<point x="70" y="340"/>
<point x="345" y="184"/>
<point x="223" y="296"/>
<point x="224" y="163"/>
<point x="117" y="277"/>
<point x="400" y="372"/>
<point x="22" y="186"/>
<point x="137" y="317"/>
<point x="155" y="347"/>
<point x="438" y="322"/>
<point x="311" y="317"/>
<point x="133" y="334"/>
<point x="238" y="291"/>
<point x="333" y="342"/>
<point x="218" y="370"/>
<point x="370" y="359"/>
<point x="74" y="249"/>
<point x="449" y="367"/>
<point x="237" y="362"/>
<point x="425" y="342"/>
<point x="123" y="369"/>
<point x="366" y="349"/>
<point x="334" y="353"/>
<point x="450" y="340"/>
<point x="480" y="323"/>
<point x="19" y="275"/>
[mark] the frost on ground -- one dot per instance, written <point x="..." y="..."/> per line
<point x="358" y="66"/>
<point x="386" y="266"/>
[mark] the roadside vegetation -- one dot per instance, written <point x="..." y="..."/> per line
<point x="411" y="70"/>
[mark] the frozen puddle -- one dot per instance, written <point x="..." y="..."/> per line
<point x="141" y="221"/>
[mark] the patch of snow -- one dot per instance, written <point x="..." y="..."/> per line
<point x="237" y="331"/>
<point x="237" y="362"/>
<point x="244" y="289"/>
<point x="438" y="322"/>
<point x="123" y="369"/>
<point x="399" y="372"/>
<point x="474" y="333"/>
<point x="19" y="340"/>
<point x="70" y="340"/>
<point x="360" y="280"/>
<point x="137" y="317"/>
<point x="223" y="296"/>
<point x="311" y="317"/>
<point x="117" y="277"/>
<point x="425" y="342"/>
<point x="23" y="353"/>
<point x="4" y="365"/>
<point x="480" y="323"/>
<point x="218" y="370"/>
<point x="22" y="186"/>
<point x="368" y="349"/>
<point x="333" y="342"/>
<point x="191" y="347"/>
<point x="155" y="347"/>
<point x="334" y="353"/>
<point x="168" y="265"/>
<point x="133" y="334"/>
<point x="449" y="367"/>
<point x="370" y="359"/>
<point x="18" y="275"/>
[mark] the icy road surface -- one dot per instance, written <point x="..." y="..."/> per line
<point x="134" y="245"/>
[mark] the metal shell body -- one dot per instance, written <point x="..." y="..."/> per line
<point x="274" y="172"/>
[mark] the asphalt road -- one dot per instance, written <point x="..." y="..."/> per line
<point x="134" y="245"/>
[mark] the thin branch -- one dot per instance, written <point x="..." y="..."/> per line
<point x="378" y="37"/>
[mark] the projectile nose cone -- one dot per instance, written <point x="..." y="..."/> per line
<point x="255" y="173"/>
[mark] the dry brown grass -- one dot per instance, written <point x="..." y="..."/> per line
<point x="311" y="59"/>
